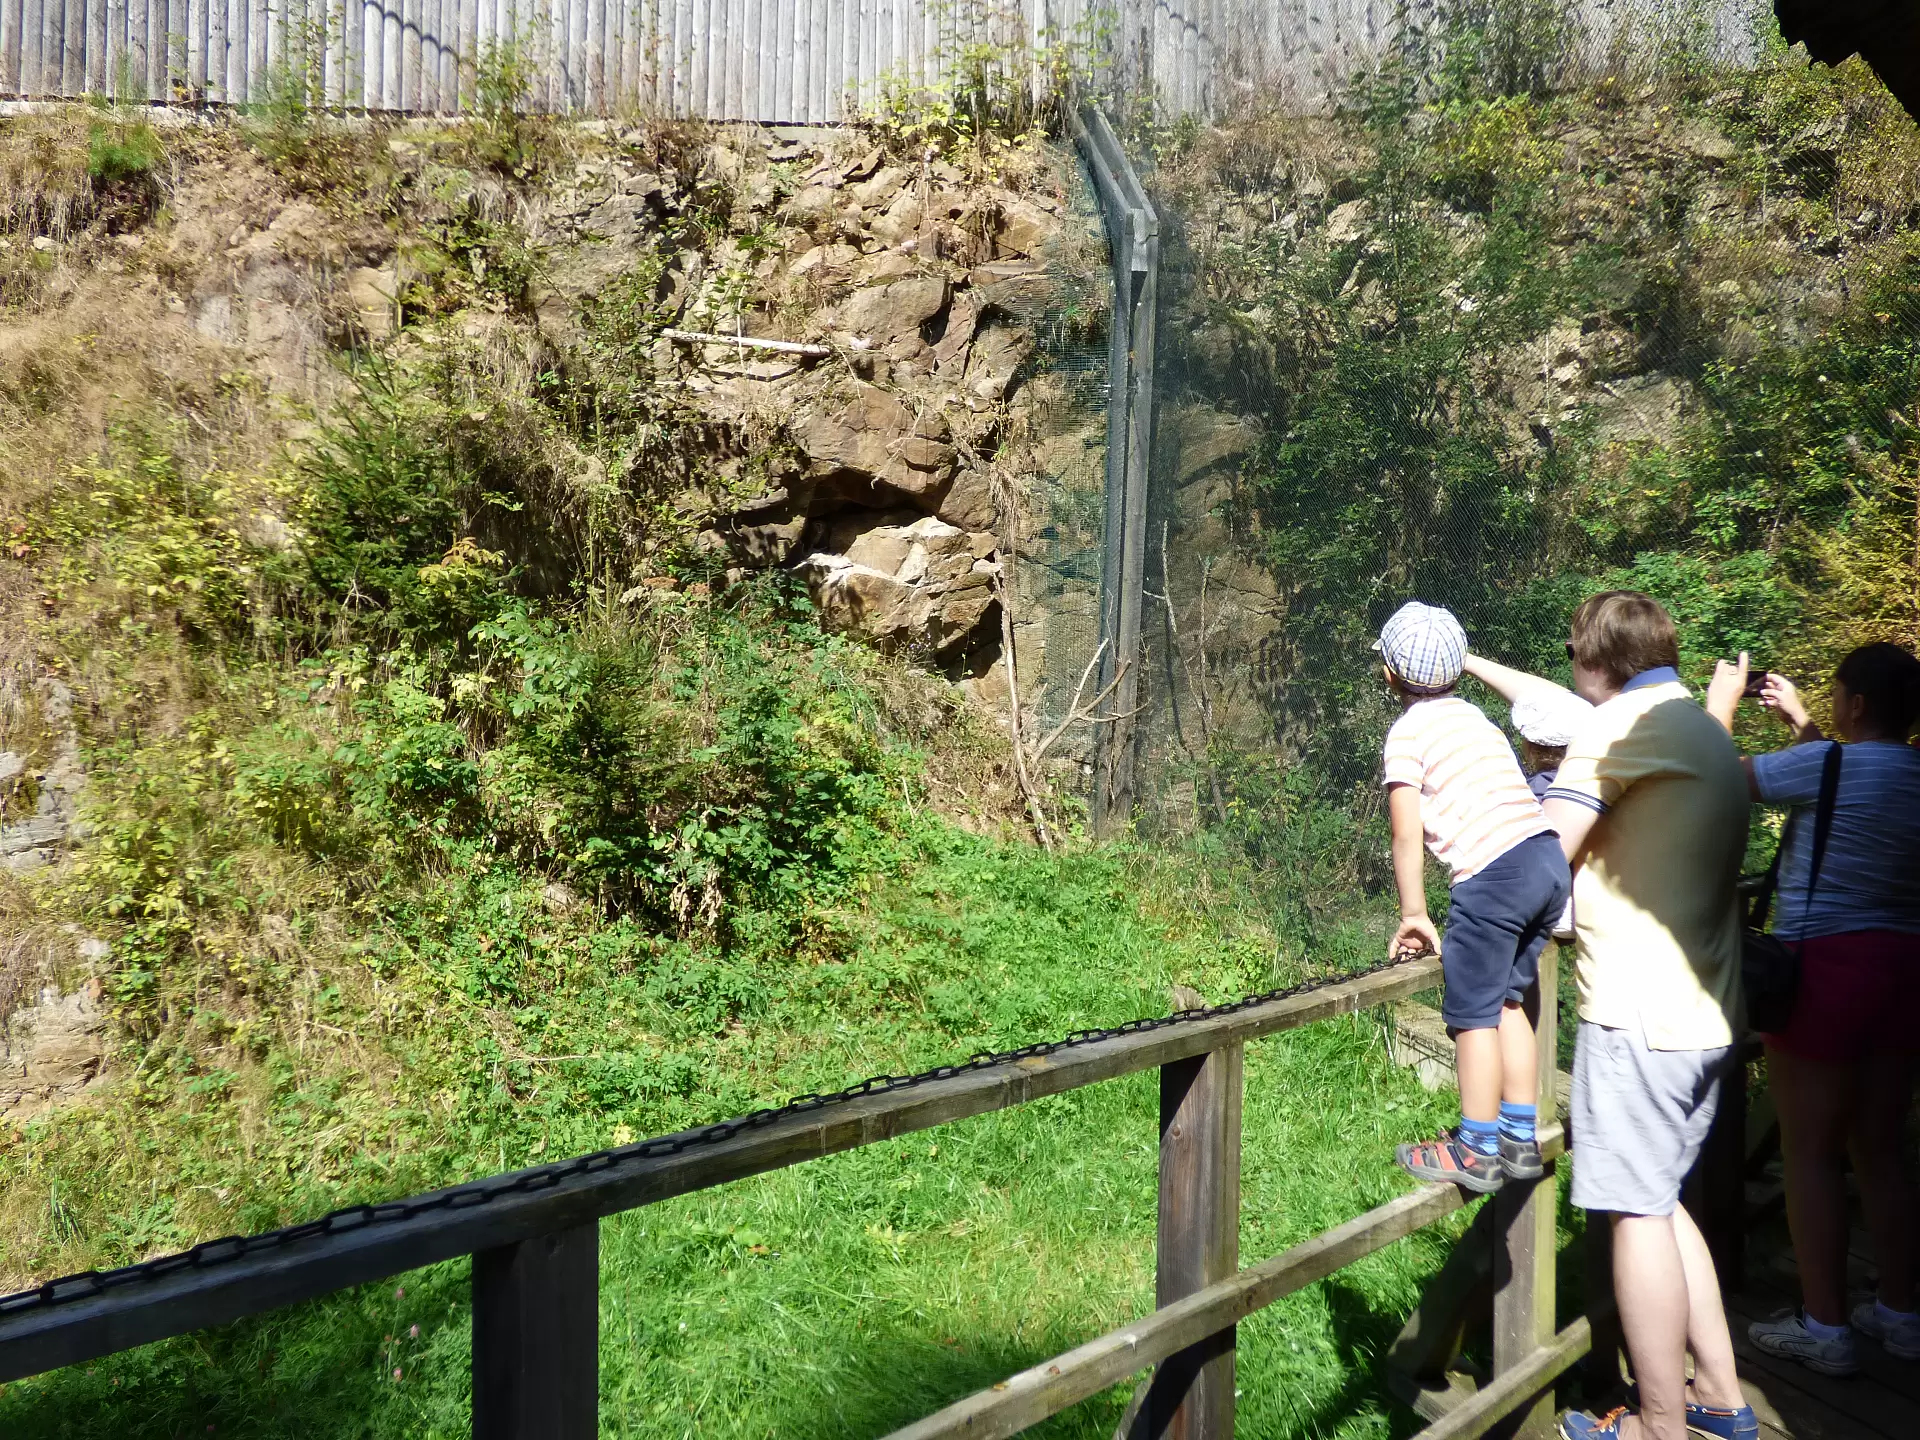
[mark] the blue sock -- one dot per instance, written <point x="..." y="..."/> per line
<point x="1517" y="1122"/>
<point x="1480" y="1136"/>
<point x="1820" y="1330"/>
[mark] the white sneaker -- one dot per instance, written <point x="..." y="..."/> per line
<point x="1786" y="1337"/>
<point x="1900" y="1338"/>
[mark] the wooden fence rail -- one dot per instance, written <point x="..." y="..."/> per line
<point x="534" y="1238"/>
<point x="187" y="1299"/>
<point x="772" y="61"/>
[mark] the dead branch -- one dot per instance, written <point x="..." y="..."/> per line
<point x="1087" y="713"/>
<point x="786" y="347"/>
<point x="1003" y="592"/>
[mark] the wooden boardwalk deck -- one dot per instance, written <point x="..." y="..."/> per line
<point x="1880" y="1403"/>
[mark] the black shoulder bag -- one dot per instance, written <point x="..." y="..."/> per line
<point x="1769" y="966"/>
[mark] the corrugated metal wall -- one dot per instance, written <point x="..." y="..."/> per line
<point x="790" y="61"/>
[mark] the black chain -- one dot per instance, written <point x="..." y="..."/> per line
<point x="358" y="1217"/>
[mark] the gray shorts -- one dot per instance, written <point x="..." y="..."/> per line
<point x="1639" y="1119"/>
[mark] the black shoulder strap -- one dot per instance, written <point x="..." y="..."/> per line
<point x="1822" y="821"/>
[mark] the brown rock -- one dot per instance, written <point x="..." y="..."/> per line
<point x="768" y="544"/>
<point x="902" y="220"/>
<point x="859" y="600"/>
<point x="887" y="265"/>
<point x="969" y="502"/>
<point x="811" y="204"/>
<point x="962" y="609"/>
<point x="880" y="312"/>
<point x="1024" y="228"/>
<point x="1348" y="222"/>
<point x="1016" y="285"/>
<point x="962" y="317"/>
<point x="371" y="293"/>
<point x="996" y="358"/>
<point x="830" y="264"/>
<point x="904" y="585"/>
<point x="877" y="440"/>
<point x="874" y="193"/>
<point x="865" y="165"/>
<point x="53" y="1051"/>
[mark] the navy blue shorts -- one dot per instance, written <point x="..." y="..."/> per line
<point x="1498" y="922"/>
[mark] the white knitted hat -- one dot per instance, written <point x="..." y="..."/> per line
<point x="1550" y="717"/>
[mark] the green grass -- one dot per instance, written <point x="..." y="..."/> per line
<point x="846" y="1296"/>
<point x="850" y="1295"/>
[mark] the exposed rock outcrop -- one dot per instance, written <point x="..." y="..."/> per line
<point x="926" y="586"/>
<point x="882" y="454"/>
<point x="35" y="839"/>
<point x="52" y="1051"/>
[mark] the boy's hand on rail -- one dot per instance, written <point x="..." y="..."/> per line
<point x="1416" y="936"/>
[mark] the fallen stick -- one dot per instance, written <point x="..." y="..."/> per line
<point x="786" y="347"/>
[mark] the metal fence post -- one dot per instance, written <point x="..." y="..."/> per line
<point x="1525" y="1222"/>
<point x="536" y="1338"/>
<point x="1191" y="1394"/>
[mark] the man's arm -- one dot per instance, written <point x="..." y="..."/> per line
<point x="1575" y="823"/>
<point x="1508" y="683"/>
<point x="1416" y="932"/>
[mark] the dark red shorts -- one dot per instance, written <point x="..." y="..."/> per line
<point x="1859" y="992"/>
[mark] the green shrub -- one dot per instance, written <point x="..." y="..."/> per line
<point x="122" y="154"/>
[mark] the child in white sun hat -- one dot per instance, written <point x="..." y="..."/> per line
<point x="1454" y="784"/>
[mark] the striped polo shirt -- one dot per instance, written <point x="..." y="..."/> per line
<point x="1475" y="804"/>
<point x="1870" y="875"/>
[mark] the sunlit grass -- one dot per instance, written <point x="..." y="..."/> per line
<point x="849" y="1295"/>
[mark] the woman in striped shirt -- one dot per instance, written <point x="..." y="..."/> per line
<point x="1842" y="1071"/>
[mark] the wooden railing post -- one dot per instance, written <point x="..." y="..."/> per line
<point x="1191" y="1395"/>
<point x="1525" y="1223"/>
<point x="536" y="1338"/>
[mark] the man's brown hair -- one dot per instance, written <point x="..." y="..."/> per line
<point x="1622" y="633"/>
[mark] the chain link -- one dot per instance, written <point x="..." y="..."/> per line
<point x="358" y="1217"/>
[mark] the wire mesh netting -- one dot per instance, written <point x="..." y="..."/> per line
<point x="1535" y="297"/>
<point x="1060" y="554"/>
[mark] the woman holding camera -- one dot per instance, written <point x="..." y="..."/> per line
<point x="1842" y="1071"/>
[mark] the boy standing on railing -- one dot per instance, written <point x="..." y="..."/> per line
<point x="1453" y="783"/>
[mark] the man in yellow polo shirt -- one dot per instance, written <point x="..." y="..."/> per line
<point x="1651" y="806"/>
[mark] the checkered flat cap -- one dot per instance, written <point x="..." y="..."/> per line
<point x="1424" y="645"/>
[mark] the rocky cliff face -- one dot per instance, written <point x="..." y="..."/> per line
<point x="894" y="438"/>
<point x="828" y="342"/>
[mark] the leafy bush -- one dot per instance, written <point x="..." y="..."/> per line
<point x="121" y="154"/>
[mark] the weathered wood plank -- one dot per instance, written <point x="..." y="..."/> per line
<point x="536" y="1338"/>
<point x="73" y="50"/>
<point x="1516" y="1388"/>
<point x="1461" y="1292"/>
<point x="10" y="71"/>
<point x="196" y="50"/>
<point x="46" y="75"/>
<point x="42" y="1339"/>
<point x="215" y="82"/>
<point x="1191" y="1397"/>
<point x="1046" y="1389"/>
<point x="96" y="40"/>
<point x="427" y="100"/>
<point x="1525" y="1217"/>
<point x="33" y="23"/>
<point x="259" y="57"/>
